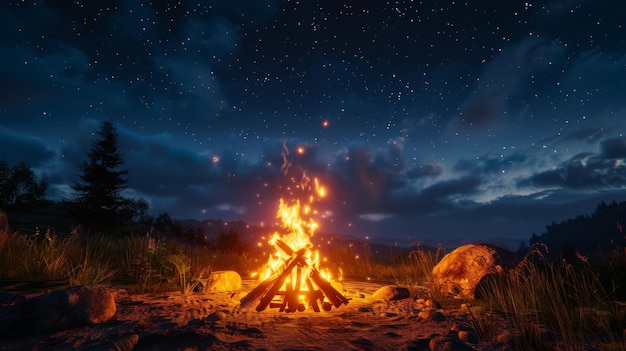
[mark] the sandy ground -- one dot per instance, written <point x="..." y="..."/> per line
<point x="216" y="321"/>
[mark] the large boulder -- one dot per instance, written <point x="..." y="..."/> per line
<point x="58" y="310"/>
<point x="220" y="281"/>
<point x="459" y="272"/>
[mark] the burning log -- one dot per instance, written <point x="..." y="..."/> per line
<point x="270" y="288"/>
<point x="331" y="293"/>
<point x="313" y="296"/>
<point x="278" y="283"/>
<point x="257" y="292"/>
<point x="283" y="246"/>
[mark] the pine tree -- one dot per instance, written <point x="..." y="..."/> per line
<point x="99" y="200"/>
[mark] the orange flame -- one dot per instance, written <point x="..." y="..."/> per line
<point x="296" y="218"/>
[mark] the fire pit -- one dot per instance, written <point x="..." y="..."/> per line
<point x="289" y="295"/>
<point x="292" y="281"/>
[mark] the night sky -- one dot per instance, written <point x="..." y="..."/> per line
<point x="425" y="120"/>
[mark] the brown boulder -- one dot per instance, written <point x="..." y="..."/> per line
<point x="461" y="270"/>
<point x="58" y="310"/>
<point x="224" y="281"/>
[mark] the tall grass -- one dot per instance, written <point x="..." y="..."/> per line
<point x="406" y="267"/>
<point x="91" y="263"/>
<point x="546" y="303"/>
<point x="35" y="257"/>
<point x="422" y="261"/>
<point x="140" y="262"/>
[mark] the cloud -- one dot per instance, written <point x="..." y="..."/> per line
<point x="613" y="148"/>
<point x="374" y="217"/>
<point x="504" y="77"/>
<point x="427" y="169"/>
<point x="213" y="183"/>
<point x="366" y="178"/>
<point x="590" y="135"/>
<point x="32" y="150"/>
<point x="587" y="171"/>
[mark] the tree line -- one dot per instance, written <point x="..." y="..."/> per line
<point x="595" y="235"/>
<point x="98" y="199"/>
<point x="20" y="187"/>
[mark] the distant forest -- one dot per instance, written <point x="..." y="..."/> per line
<point x="598" y="235"/>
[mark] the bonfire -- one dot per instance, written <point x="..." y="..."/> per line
<point x="293" y="280"/>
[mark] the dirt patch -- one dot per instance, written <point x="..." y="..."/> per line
<point x="216" y="321"/>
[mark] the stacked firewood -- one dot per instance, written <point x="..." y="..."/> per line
<point x="318" y="292"/>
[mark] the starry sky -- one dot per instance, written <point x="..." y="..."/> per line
<point x="425" y="120"/>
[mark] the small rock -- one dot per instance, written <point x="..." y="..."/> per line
<point x="432" y="304"/>
<point x="432" y="315"/>
<point x="221" y="281"/>
<point x="437" y="316"/>
<point x="465" y="333"/>
<point x="390" y="293"/>
<point x="468" y="336"/>
<point x="445" y="343"/>
<point x="505" y="338"/>
<point x="215" y="316"/>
